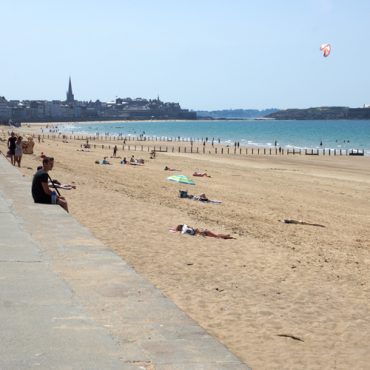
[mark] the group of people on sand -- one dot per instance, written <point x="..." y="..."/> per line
<point x="196" y="173"/>
<point x="45" y="190"/>
<point x="188" y="230"/>
<point x="133" y="161"/>
<point x="15" y="149"/>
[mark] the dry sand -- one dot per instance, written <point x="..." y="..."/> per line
<point x="276" y="281"/>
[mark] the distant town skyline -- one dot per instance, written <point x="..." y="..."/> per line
<point x="71" y="109"/>
<point x="207" y="55"/>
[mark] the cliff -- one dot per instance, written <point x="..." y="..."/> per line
<point x="321" y="113"/>
<point x="234" y="113"/>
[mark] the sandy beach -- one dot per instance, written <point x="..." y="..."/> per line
<point x="279" y="296"/>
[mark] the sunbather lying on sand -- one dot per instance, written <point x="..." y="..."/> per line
<point x="185" y="229"/>
<point x="201" y="197"/>
<point x="170" y="169"/>
<point x="299" y="222"/>
<point x="203" y="174"/>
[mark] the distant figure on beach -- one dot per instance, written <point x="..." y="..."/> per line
<point x="201" y="197"/>
<point x="170" y="169"/>
<point x="321" y="143"/>
<point x="275" y="143"/>
<point x="103" y="161"/>
<point x="39" y="138"/>
<point x="185" y="229"/>
<point x="41" y="192"/>
<point x="124" y="160"/>
<point x="201" y="174"/>
<point x="11" y="147"/>
<point x="115" y="151"/>
<point x="134" y="161"/>
<point x="18" y="151"/>
<point x="299" y="222"/>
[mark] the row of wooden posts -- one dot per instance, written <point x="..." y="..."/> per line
<point x="228" y="150"/>
<point x="211" y="149"/>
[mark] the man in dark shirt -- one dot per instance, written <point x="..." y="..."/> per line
<point x="11" y="146"/>
<point x="41" y="192"/>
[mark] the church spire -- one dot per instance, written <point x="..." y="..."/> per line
<point x="70" y="96"/>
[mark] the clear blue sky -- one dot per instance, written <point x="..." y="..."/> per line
<point x="204" y="54"/>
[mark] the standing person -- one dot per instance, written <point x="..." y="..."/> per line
<point x="18" y="151"/>
<point x="11" y="146"/>
<point x="115" y="151"/>
<point x="41" y="192"/>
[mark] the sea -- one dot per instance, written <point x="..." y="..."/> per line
<point x="311" y="134"/>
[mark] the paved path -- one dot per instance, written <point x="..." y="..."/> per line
<point x="68" y="302"/>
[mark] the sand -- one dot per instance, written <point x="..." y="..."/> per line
<point x="280" y="296"/>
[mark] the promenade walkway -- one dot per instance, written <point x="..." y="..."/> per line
<point x="69" y="302"/>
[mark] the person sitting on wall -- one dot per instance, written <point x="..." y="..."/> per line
<point x="41" y="192"/>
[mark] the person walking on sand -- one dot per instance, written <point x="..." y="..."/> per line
<point x="18" y="151"/>
<point x="11" y="146"/>
<point x="41" y="192"/>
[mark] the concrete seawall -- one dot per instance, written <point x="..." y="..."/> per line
<point x="68" y="302"/>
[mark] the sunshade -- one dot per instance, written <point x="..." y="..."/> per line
<point x="181" y="179"/>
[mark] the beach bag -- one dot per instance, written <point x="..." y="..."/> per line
<point x="183" y="193"/>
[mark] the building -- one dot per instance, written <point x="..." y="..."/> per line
<point x="70" y="96"/>
<point x="5" y="111"/>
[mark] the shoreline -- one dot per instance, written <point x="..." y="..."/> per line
<point x="224" y="143"/>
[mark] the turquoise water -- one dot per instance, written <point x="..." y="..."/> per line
<point x="341" y="134"/>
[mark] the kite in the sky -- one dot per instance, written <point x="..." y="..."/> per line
<point x="326" y="49"/>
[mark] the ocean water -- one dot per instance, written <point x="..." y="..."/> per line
<point x="338" y="134"/>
